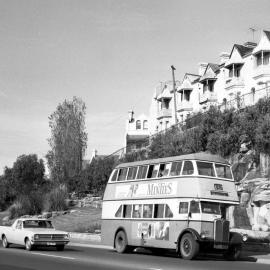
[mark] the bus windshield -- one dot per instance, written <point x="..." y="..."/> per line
<point x="210" y="208"/>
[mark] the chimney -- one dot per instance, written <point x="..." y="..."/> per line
<point x="224" y="57"/>
<point x="250" y="44"/>
<point x="94" y="153"/>
<point x="130" y="116"/>
<point x="202" y="67"/>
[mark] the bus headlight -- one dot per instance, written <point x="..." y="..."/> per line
<point x="244" y="237"/>
<point x="205" y="234"/>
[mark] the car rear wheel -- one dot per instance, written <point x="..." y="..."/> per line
<point x="5" y="242"/>
<point x="28" y="245"/>
<point x="189" y="247"/>
<point x="60" y="247"/>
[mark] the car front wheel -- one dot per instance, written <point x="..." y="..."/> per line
<point x="28" y="245"/>
<point x="5" y="242"/>
<point x="60" y="248"/>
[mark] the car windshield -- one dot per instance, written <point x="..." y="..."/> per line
<point x="37" y="224"/>
<point x="211" y="208"/>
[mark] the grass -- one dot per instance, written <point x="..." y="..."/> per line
<point x="85" y="219"/>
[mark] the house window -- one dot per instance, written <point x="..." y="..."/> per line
<point x="187" y="95"/>
<point x="138" y="124"/>
<point x="145" y="124"/>
<point x="165" y="104"/>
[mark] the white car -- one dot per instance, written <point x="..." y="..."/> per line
<point x="33" y="232"/>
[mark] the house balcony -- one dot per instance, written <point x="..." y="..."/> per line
<point x="234" y="83"/>
<point x="164" y="113"/>
<point x="185" y="105"/>
<point x="261" y="72"/>
<point x="208" y="97"/>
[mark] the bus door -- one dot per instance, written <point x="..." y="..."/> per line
<point x="194" y="215"/>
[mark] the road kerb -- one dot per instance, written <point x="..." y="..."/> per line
<point x="89" y="245"/>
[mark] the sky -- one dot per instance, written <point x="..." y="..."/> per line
<point x="110" y="53"/>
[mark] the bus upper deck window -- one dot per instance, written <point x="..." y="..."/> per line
<point x="122" y="174"/>
<point x="152" y="171"/>
<point x="164" y="169"/>
<point x="223" y="171"/>
<point x="176" y="168"/>
<point x="132" y="173"/>
<point x="142" y="172"/>
<point x="114" y="176"/>
<point x="188" y="168"/>
<point x="205" y="168"/>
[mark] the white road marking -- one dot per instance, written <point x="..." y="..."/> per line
<point x="154" y="268"/>
<point x="55" y="256"/>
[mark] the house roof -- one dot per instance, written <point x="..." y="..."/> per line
<point x="210" y="72"/>
<point x="243" y="50"/>
<point x="264" y="44"/>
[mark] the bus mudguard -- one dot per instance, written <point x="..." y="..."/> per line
<point x="188" y="230"/>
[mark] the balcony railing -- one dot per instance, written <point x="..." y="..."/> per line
<point x="184" y="105"/>
<point x="234" y="82"/>
<point x="208" y="97"/>
<point x="262" y="71"/>
<point x="164" y="113"/>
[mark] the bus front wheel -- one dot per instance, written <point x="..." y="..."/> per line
<point x="120" y="242"/>
<point x="189" y="247"/>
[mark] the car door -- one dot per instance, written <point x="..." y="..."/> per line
<point x="18" y="233"/>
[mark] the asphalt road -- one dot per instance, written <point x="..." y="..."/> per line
<point x="77" y="258"/>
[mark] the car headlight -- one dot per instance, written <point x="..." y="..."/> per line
<point x="66" y="237"/>
<point x="36" y="237"/>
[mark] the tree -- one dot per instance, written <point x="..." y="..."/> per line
<point x="68" y="140"/>
<point x="27" y="174"/>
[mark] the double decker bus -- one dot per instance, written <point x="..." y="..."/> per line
<point x="175" y="202"/>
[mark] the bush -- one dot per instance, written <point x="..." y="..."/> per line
<point x="26" y="205"/>
<point x="56" y="200"/>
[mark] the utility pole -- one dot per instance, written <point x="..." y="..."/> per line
<point x="174" y="95"/>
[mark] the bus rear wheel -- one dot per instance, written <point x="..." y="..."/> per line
<point x="189" y="247"/>
<point x="121" y="242"/>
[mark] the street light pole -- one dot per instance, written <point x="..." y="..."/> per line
<point x="174" y="95"/>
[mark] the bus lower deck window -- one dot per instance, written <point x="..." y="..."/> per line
<point x="183" y="207"/>
<point x="159" y="211"/>
<point x="147" y="210"/>
<point x="137" y="211"/>
<point x="127" y="211"/>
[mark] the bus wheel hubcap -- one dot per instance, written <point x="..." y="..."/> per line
<point x="186" y="246"/>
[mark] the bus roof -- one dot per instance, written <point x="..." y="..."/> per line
<point x="196" y="156"/>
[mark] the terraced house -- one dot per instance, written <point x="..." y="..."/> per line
<point x="240" y="79"/>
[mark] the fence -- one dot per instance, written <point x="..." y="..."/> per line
<point x="238" y="103"/>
